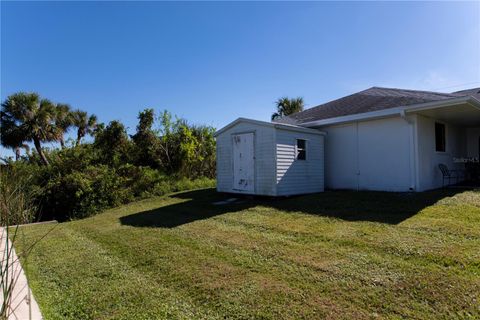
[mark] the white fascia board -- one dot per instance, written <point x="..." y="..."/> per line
<point x="475" y="100"/>
<point x="442" y="104"/>
<point x="238" y="120"/>
<point x="385" y="113"/>
<point x="355" y="117"/>
<point x="268" y="124"/>
<point x="298" y="129"/>
<point x="391" y="112"/>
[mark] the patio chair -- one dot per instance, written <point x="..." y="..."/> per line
<point x="472" y="171"/>
<point x="449" y="174"/>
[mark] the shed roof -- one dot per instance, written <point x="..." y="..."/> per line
<point x="373" y="99"/>
<point x="284" y="126"/>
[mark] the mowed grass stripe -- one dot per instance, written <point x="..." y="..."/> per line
<point x="394" y="241"/>
<point x="212" y="267"/>
<point x="257" y="260"/>
<point x="381" y="271"/>
<point x="262" y="258"/>
<point x="102" y="285"/>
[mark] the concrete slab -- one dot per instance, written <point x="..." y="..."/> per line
<point x="23" y="305"/>
<point x="227" y="201"/>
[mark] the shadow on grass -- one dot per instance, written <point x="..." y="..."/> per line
<point x="383" y="207"/>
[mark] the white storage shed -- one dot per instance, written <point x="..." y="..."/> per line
<point x="272" y="159"/>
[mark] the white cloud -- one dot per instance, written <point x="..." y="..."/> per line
<point x="434" y="80"/>
<point x="437" y="81"/>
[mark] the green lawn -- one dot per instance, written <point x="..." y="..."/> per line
<point x="337" y="255"/>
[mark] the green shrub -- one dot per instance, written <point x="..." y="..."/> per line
<point x="72" y="188"/>
<point x="83" y="193"/>
<point x="84" y="179"/>
<point x="17" y="204"/>
<point x="174" y="185"/>
<point x="139" y="180"/>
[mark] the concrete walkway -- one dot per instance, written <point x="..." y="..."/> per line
<point x="23" y="305"/>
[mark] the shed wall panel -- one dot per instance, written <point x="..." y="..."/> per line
<point x="264" y="151"/>
<point x="295" y="176"/>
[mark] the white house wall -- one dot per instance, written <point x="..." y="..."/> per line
<point x="430" y="176"/>
<point x="264" y="150"/>
<point x="384" y="155"/>
<point x="341" y="157"/>
<point x="299" y="176"/>
<point x="369" y="155"/>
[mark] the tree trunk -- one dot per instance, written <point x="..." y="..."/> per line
<point x="44" y="159"/>
<point x="17" y="153"/>
<point x="62" y="142"/>
<point x="79" y="137"/>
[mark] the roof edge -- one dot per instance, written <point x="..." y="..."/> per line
<point x="373" y="91"/>
<point x="268" y="124"/>
<point x="384" y="113"/>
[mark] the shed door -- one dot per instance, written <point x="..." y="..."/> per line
<point x="243" y="162"/>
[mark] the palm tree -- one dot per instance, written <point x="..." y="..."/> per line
<point x="85" y="124"/>
<point x="287" y="106"/>
<point x="10" y="135"/>
<point x="63" y="121"/>
<point x="27" y="118"/>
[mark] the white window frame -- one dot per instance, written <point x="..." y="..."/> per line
<point x="305" y="149"/>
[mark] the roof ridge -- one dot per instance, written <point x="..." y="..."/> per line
<point x="411" y="90"/>
<point x="467" y="91"/>
<point x="371" y="99"/>
<point x="321" y="105"/>
<point x="353" y="94"/>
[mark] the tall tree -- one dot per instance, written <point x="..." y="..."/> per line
<point x="85" y="124"/>
<point x="113" y="143"/>
<point x="287" y="106"/>
<point x="11" y="136"/>
<point x="167" y="149"/>
<point x="145" y="138"/>
<point x="27" y="118"/>
<point x="63" y="121"/>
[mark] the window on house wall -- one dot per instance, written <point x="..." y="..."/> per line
<point x="301" y="149"/>
<point x="439" y="137"/>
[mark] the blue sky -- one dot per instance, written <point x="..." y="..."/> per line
<point x="211" y="62"/>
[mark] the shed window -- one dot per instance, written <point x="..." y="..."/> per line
<point x="439" y="137"/>
<point x="301" y="149"/>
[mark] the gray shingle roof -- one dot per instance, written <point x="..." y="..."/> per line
<point x="372" y="99"/>
<point x="470" y="92"/>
